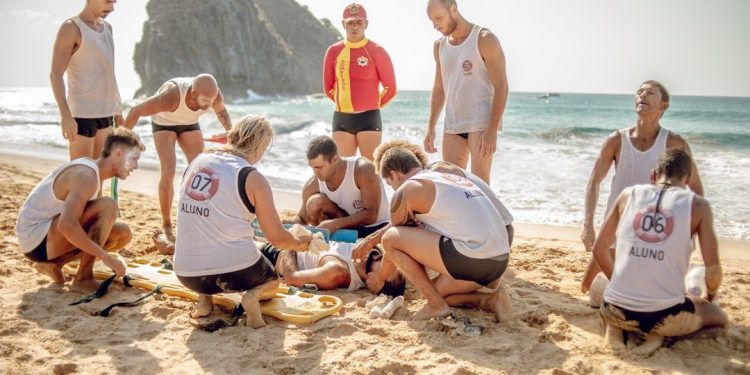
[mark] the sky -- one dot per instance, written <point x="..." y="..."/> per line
<point x="695" y="47"/>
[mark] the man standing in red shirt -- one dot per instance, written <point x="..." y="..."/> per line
<point x="353" y="71"/>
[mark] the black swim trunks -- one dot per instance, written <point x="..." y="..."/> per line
<point x="88" y="127"/>
<point x="39" y="254"/>
<point x="354" y="123"/>
<point x="461" y="267"/>
<point x="231" y="282"/>
<point x="648" y="320"/>
<point x="179" y="129"/>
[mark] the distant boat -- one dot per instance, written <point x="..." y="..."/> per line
<point x="549" y="95"/>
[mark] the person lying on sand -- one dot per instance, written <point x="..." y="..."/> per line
<point x="64" y="218"/>
<point x="654" y="225"/>
<point x="445" y="222"/>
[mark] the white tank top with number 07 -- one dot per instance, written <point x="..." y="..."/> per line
<point x="653" y="251"/>
<point x="213" y="224"/>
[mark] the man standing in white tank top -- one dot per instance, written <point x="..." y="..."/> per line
<point x="654" y="226"/>
<point x="471" y="82"/>
<point x="84" y="49"/>
<point x="174" y="111"/>
<point x="634" y="152"/>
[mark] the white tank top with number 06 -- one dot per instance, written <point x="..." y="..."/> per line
<point x="653" y="250"/>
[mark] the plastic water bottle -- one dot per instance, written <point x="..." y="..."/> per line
<point x="695" y="282"/>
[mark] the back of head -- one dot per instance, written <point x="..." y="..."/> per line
<point x="398" y="159"/>
<point x="249" y="134"/>
<point x="411" y="147"/>
<point x="322" y="145"/>
<point x="674" y="163"/>
<point x="124" y="138"/>
<point x="395" y="285"/>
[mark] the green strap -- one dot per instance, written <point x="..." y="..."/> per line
<point x="105" y="312"/>
<point x="101" y="291"/>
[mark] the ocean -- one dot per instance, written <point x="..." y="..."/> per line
<point x="545" y="152"/>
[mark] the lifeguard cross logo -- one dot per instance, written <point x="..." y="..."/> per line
<point x="457" y="180"/>
<point x="467" y="66"/>
<point x="354" y="9"/>
<point x="357" y="204"/>
<point x="362" y="61"/>
<point x="650" y="227"/>
<point x="202" y="184"/>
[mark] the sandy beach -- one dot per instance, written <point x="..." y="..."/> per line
<point x="553" y="331"/>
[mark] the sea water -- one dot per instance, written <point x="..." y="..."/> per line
<point x="544" y="158"/>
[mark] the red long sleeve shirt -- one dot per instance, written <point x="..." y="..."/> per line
<point x="352" y="73"/>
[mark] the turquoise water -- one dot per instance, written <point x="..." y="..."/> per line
<point x="545" y="153"/>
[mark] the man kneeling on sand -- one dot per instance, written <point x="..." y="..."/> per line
<point x="63" y="220"/>
<point x="654" y="225"/>
<point x="445" y="222"/>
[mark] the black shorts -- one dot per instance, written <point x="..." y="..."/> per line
<point x="366" y="231"/>
<point x="39" y="254"/>
<point x="270" y="252"/>
<point x="461" y="267"/>
<point x="88" y="127"/>
<point x="357" y="122"/>
<point x="648" y="320"/>
<point x="179" y="129"/>
<point x="232" y="282"/>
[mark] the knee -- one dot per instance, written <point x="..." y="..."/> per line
<point x="121" y="234"/>
<point x="105" y="206"/>
<point x="315" y="204"/>
<point x="389" y="238"/>
<point x="168" y="169"/>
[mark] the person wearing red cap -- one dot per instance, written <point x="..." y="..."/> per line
<point x="470" y="81"/>
<point x="353" y="71"/>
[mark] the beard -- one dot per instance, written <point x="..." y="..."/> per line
<point x="451" y="27"/>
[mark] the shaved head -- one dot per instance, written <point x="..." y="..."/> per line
<point x="205" y="90"/>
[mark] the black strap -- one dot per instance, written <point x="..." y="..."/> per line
<point x="241" y="180"/>
<point x="105" y="312"/>
<point x="221" y="322"/>
<point x="101" y="291"/>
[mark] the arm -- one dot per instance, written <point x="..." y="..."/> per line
<point x="260" y="195"/>
<point x="221" y="112"/>
<point x="702" y="222"/>
<point x="494" y="59"/>
<point x="369" y="186"/>
<point x="695" y="183"/>
<point x="166" y="101"/>
<point x="329" y="73"/>
<point x="66" y="43"/>
<point x="362" y="248"/>
<point x="602" y="255"/>
<point x="310" y="189"/>
<point x="610" y="148"/>
<point x="384" y="67"/>
<point x="119" y="120"/>
<point x="437" y="100"/>
<point x="330" y="275"/>
<point x="286" y="263"/>
<point x="77" y="185"/>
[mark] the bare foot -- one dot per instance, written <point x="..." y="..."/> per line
<point x="428" y="312"/>
<point x="161" y="241"/>
<point x="498" y="302"/>
<point x="53" y="270"/>
<point x="652" y="343"/>
<point x="613" y="338"/>
<point x="168" y="233"/>
<point x="204" y="307"/>
<point x="86" y="286"/>
<point x="252" y="309"/>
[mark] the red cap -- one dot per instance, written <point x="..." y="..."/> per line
<point x="354" y="11"/>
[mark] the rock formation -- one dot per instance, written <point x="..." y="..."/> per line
<point x="273" y="47"/>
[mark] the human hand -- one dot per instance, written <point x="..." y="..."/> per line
<point x="117" y="267"/>
<point x="374" y="283"/>
<point x="304" y="242"/>
<point x="329" y="225"/>
<point x="487" y="144"/>
<point x="69" y="128"/>
<point x="429" y="141"/>
<point x="360" y="251"/>
<point x="587" y="237"/>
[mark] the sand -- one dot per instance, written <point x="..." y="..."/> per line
<point x="554" y="331"/>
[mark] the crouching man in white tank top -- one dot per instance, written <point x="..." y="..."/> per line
<point x="174" y="111"/>
<point x="220" y="195"/>
<point x="634" y="152"/>
<point x="63" y="220"/>
<point x="457" y="232"/>
<point x="654" y="225"/>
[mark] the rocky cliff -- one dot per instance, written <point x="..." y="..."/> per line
<point x="273" y="47"/>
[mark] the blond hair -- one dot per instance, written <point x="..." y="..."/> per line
<point x="411" y="147"/>
<point x="122" y="137"/>
<point x="248" y="135"/>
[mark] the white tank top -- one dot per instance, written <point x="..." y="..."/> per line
<point x="462" y="212"/>
<point x="468" y="90"/>
<point x="348" y="197"/>
<point x="41" y="207"/>
<point x="92" y="87"/>
<point x="182" y="115"/>
<point x="213" y="224"/>
<point x="487" y="190"/>
<point x="342" y="250"/>
<point x="634" y="166"/>
<point x="652" y="254"/>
